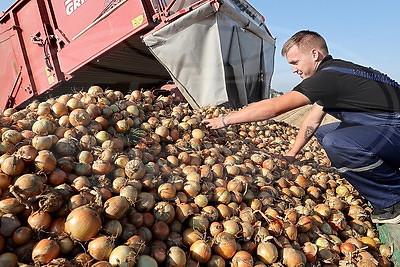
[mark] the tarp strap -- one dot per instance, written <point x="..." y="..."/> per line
<point x="368" y="75"/>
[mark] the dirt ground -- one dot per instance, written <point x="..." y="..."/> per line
<point x="296" y="116"/>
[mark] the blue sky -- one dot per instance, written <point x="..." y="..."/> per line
<point x="366" y="32"/>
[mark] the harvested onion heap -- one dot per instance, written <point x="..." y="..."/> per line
<point x="104" y="179"/>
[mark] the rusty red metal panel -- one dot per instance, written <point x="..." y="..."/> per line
<point x="11" y="64"/>
<point x="32" y="21"/>
<point x="25" y="45"/>
<point x="95" y="26"/>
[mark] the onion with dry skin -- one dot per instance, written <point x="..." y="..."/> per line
<point x="28" y="185"/>
<point x="13" y="166"/>
<point x="200" y="251"/>
<point x="242" y="259"/>
<point x="135" y="169"/>
<point x="45" y="161"/>
<point x="83" y="223"/>
<point x="122" y="254"/>
<point x="225" y="245"/>
<point x="45" y="250"/>
<point x="101" y="247"/>
<point x="267" y="252"/>
<point x="116" y="207"/>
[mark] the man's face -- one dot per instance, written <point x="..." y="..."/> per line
<point x="303" y="63"/>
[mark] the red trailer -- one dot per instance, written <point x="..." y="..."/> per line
<point x="216" y="51"/>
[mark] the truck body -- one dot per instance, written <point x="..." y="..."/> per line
<point x="215" y="51"/>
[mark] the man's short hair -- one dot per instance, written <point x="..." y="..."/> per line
<point x="305" y="40"/>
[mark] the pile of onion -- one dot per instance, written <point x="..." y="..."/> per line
<point x="104" y="179"/>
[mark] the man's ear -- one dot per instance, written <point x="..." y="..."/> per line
<point x="315" y="54"/>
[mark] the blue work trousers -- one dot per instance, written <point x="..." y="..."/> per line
<point x="365" y="148"/>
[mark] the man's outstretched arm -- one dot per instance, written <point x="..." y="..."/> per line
<point x="262" y="110"/>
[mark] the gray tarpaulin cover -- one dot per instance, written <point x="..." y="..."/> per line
<point x="216" y="57"/>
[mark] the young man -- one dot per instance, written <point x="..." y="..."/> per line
<point x="365" y="145"/>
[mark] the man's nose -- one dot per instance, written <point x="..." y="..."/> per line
<point x="294" y="69"/>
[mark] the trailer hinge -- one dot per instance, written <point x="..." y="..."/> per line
<point x="45" y="44"/>
<point x="11" y="98"/>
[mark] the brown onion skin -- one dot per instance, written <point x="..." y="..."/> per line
<point x="22" y="235"/>
<point x="100" y="247"/>
<point x="83" y="223"/>
<point x="242" y="259"/>
<point x="39" y="220"/>
<point x="200" y="251"/>
<point x="45" y="250"/>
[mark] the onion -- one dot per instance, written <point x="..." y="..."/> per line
<point x="242" y="258"/>
<point x="183" y="211"/>
<point x="22" y="235"/>
<point x="163" y="211"/>
<point x="116" y="207"/>
<point x="189" y="236"/>
<point x="135" y="169"/>
<point x="79" y="117"/>
<point x="43" y="127"/>
<point x="162" y="131"/>
<point x="201" y="201"/>
<point x="57" y="226"/>
<point x="11" y="205"/>
<point x="13" y="166"/>
<point x="267" y="252"/>
<point x="83" y="223"/>
<point x="11" y="136"/>
<point x="145" y="202"/>
<point x="5" y="180"/>
<point x="28" y="185"/>
<point x="167" y="191"/>
<point x="129" y="192"/>
<point x="59" y="109"/>
<point x="231" y="227"/>
<point x="304" y="224"/>
<point x="292" y="257"/>
<point x="225" y="245"/>
<point x="160" y="230"/>
<point x="6" y="147"/>
<point x="137" y="243"/>
<point x="66" y="245"/>
<point x="27" y="153"/>
<point x="176" y="257"/>
<point x="145" y="233"/>
<point x="67" y="146"/>
<point x="39" y="220"/>
<point x="45" y="161"/>
<point x="45" y="250"/>
<point x="9" y="223"/>
<point x="199" y="223"/>
<point x="101" y="167"/>
<point x="113" y="228"/>
<point x="200" y="251"/>
<point x="122" y="255"/>
<point x="146" y="261"/>
<point x="101" y="247"/>
<point x="310" y="251"/>
<point x="8" y="259"/>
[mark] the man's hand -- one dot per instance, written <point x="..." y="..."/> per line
<point x="214" y="123"/>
